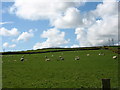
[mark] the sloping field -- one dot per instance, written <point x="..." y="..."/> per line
<point x="35" y="72"/>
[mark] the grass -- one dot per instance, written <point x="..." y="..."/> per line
<point x="35" y="72"/>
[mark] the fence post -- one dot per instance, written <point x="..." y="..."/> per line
<point x="105" y="84"/>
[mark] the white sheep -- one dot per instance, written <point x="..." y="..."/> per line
<point x="102" y="54"/>
<point x="47" y="59"/>
<point x="99" y="54"/>
<point x="14" y="60"/>
<point x="45" y="56"/>
<point x="114" y="57"/>
<point x="22" y="59"/>
<point x="77" y="58"/>
<point x="61" y="58"/>
<point x="88" y="54"/>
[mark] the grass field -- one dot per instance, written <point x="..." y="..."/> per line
<point x="35" y="72"/>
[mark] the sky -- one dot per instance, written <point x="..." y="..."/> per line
<point x="34" y="24"/>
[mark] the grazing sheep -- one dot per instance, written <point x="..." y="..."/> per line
<point x="77" y="58"/>
<point x="22" y="59"/>
<point x="52" y="55"/>
<point x="114" y="57"/>
<point x="102" y="54"/>
<point x="45" y="56"/>
<point x="15" y="60"/>
<point x="47" y="59"/>
<point x="61" y="58"/>
<point x="88" y="54"/>
<point x="99" y="54"/>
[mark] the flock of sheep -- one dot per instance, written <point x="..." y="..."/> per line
<point x="48" y="59"/>
<point x="60" y="58"/>
<point x="77" y="57"/>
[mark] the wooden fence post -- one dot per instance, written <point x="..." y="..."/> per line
<point x="105" y="84"/>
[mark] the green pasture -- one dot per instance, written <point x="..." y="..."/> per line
<point x="35" y="72"/>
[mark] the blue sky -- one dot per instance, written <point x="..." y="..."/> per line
<point x="57" y="30"/>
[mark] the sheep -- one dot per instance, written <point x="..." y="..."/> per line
<point x="88" y="54"/>
<point x="114" y="57"/>
<point x="22" y="59"/>
<point x="14" y="60"/>
<point x="77" y="58"/>
<point x="47" y="59"/>
<point x="45" y="56"/>
<point x="61" y="58"/>
<point x="102" y="54"/>
<point x="52" y="55"/>
<point x="99" y="54"/>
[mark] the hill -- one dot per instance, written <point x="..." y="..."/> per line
<point x="115" y="49"/>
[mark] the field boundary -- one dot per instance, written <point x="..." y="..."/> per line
<point x="11" y="53"/>
<point x="48" y="50"/>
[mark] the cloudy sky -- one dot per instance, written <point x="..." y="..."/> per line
<point x="36" y="24"/>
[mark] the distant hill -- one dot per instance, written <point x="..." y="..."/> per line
<point x="115" y="49"/>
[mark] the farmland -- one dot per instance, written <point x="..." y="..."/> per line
<point x="35" y="72"/>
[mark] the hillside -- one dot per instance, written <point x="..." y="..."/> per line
<point x="36" y="72"/>
<point x="115" y="49"/>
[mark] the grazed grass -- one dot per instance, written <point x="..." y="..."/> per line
<point x="35" y="72"/>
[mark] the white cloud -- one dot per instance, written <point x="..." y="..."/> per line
<point x="75" y="46"/>
<point x="6" y="32"/>
<point x="2" y="23"/>
<point x="66" y="46"/>
<point x="7" y="45"/>
<point x="40" y="9"/>
<point x="82" y="37"/>
<point x="14" y="40"/>
<point x="70" y="19"/>
<point x="25" y="36"/>
<point x="62" y="14"/>
<point x="107" y="8"/>
<point x="12" y="46"/>
<point x="100" y="31"/>
<point x="89" y="31"/>
<point x="55" y="38"/>
<point x="103" y="30"/>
